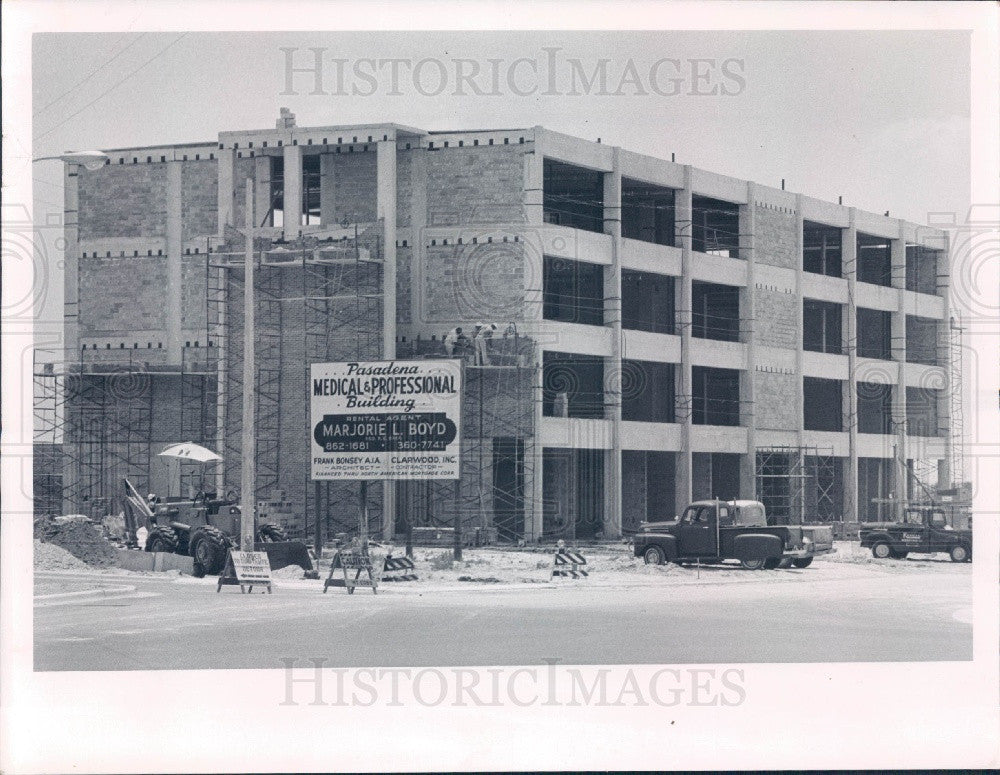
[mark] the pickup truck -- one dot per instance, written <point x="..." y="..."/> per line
<point x="924" y="530"/>
<point x="712" y="531"/>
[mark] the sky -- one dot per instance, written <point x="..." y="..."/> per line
<point x="879" y="118"/>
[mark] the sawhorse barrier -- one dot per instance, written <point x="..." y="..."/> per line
<point x="398" y="569"/>
<point x="347" y="562"/>
<point x="567" y="563"/>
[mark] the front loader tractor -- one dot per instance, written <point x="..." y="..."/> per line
<point x="205" y="528"/>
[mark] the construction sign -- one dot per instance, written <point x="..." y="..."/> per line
<point x="399" y="569"/>
<point x="568" y="563"/>
<point x="348" y="562"/>
<point x="246" y="569"/>
<point x="385" y="420"/>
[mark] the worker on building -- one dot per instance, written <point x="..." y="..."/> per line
<point x="455" y="340"/>
<point x="484" y="333"/>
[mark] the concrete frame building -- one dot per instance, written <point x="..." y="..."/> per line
<point x="664" y="333"/>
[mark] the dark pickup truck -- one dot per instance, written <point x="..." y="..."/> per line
<point x="924" y="530"/>
<point x="712" y="531"/>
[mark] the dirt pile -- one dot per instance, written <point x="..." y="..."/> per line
<point x="52" y="557"/>
<point x="79" y="536"/>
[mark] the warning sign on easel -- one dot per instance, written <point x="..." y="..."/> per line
<point x="350" y="563"/>
<point x="246" y="569"/>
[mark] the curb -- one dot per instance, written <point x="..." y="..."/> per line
<point x="68" y="597"/>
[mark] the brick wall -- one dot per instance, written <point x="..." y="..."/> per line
<point x="777" y="317"/>
<point x="477" y="185"/>
<point x="193" y="295"/>
<point x="199" y="198"/>
<point x="123" y="201"/>
<point x="775" y="399"/>
<point x="122" y="294"/>
<point x="775" y="237"/>
<point x="404" y="262"/>
<point x="469" y="282"/>
<point x="355" y="177"/>
<point x="404" y="187"/>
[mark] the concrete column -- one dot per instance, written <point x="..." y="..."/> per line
<point x="293" y="192"/>
<point x="534" y="178"/>
<point x="71" y="263"/>
<point x="533" y="314"/>
<point x="683" y="210"/>
<point x="327" y="190"/>
<point x="799" y="352"/>
<point x="418" y="222"/>
<point x="898" y="344"/>
<point x="385" y="199"/>
<point x="849" y="255"/>
<point x="71" y="308"/>
<point x="175" y="259"/>
<point x="799" y="334"/>
<point x="227" y="190"/>
<point x="952" y="444"/>
<point x="262" y="189"/>
<point x="613" y="319"/>
<point x="748" y="317"/>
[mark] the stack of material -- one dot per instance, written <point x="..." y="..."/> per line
<point x="79" y="536"/>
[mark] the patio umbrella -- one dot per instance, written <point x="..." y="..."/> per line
<point x="188" y="450"/>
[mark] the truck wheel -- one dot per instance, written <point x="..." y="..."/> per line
<point x="959" y="553"/>
<point x="208" y="548"/>
<point x="899" y="555"/>
<point x="271" y="532"/>
<point x="772" y="563"/>
<point x="802" y="562"/>
<point x="162" y="539"/>
<point x="753" y="564"/>
<point x="881" y="550"/>
<point x="653" y="556"/>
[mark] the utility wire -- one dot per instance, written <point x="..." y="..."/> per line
<point x="114" y="86"/>
<point x="86" y="78"/>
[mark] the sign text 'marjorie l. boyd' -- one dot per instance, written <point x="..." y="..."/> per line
<point x="385" y="420"/>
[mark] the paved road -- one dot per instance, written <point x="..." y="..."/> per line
<point x="840" y="614"/>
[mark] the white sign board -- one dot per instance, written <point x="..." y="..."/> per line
<point x="385" y="420"/>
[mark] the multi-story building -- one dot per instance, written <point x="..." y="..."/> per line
<point x="664" y="333"/>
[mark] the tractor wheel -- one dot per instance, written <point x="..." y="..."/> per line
<point x="882" y="550"/>
<point x="208" y="547"/>
<point x="653" y="556"/>
<point x="271" y="532"/>
<point x="802" y="562"/>
<point x="753" y="564"/>
<point x="959" y="553"/>
<point x="162" y="539"/>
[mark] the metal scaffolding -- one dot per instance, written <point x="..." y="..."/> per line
<point x="497" y="448"/>
<point x="317" y="299"/>
<point x="798" y="484"/>
<point x="94" y="421"/>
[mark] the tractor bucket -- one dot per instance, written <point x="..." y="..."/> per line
<point x="283" y="553"/>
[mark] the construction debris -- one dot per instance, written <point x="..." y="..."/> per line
<point x="52" y="557"/>
<point x="80" y="537"/>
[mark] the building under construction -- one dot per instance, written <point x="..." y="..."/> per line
<point x="662" y="334"/>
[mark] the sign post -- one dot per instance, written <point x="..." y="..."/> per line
<point x="248" y="469"/>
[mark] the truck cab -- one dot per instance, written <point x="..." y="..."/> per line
<point x="923" y="530"/>
<point x="713" y="531"/>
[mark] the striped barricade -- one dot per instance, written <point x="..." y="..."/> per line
<point x="567" y="563"/>
<point x="398" y="569"/>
